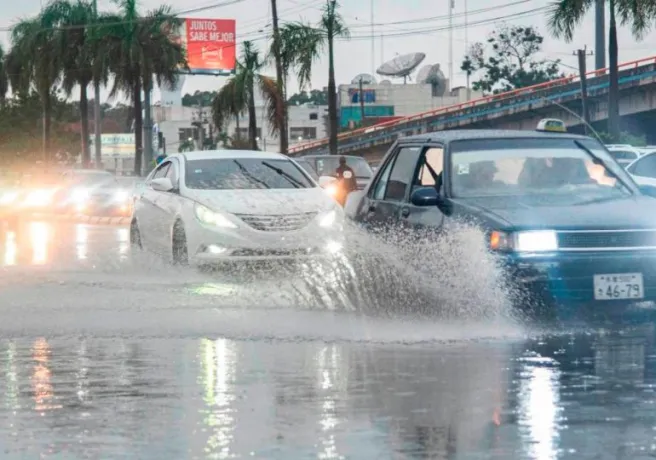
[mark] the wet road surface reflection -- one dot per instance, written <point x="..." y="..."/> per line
<point x="105" y="356"/>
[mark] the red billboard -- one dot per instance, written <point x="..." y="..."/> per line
<point x="210" y="44"/>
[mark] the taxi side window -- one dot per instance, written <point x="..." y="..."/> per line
<point x="162" y="170"/>
<point x="172" y="173"/>
<point x="402" y="174"/>
<point x="379" y="190"/>
<point x="646" y="167"/>
<point x="434" y="157"/>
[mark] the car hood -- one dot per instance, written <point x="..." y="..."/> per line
<point x="619" y="213"/>
<point x="266" y="202"/>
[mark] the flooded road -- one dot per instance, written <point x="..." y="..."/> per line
<point x="108" y="356"/>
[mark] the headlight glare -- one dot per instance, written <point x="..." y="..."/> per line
<point x="122" y="195"/>
<point x="524" y="241"/>
<point x="328" y="219"/>
<point x="209" y="217"/>
<point x="80" y="194"/>
<point x="8" y="198"/>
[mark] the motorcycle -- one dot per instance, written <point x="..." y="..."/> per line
<point x="337" y="188"/>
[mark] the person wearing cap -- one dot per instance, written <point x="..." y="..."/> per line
<point x="346" y="180"/>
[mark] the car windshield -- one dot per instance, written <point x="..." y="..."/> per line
<point x="308" y="169"/>
<point x="623" y="155"/>
<point x="551" y="169"/>
<point x="244" y="173"/>
<point x="326" y="166"/>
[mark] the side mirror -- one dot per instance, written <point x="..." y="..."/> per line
<point x="325" y="181"/>
<point x="161" y="184"/>
<point x="648" y="190"/>
<point x="352" y="203"/>
<point x="425" y="196"/>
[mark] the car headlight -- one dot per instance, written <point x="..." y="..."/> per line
<point x="524" y="241"/>
<point x="79" y="195"/>
<point x="209" y="217"/>
<point x="122" y="196"/>
<point x="39" y="198"/>
<point x="328" y="219"/>
<point x="331" y="189"/>
<point x="8" y="198"/>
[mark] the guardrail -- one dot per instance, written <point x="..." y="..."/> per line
<point x="407" y="122"/>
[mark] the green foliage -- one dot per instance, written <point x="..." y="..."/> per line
<point x="315" y="96"/>
<point x="625" y="138"/>
<point x="508" y="60"/>
<point x="202" y="98"/>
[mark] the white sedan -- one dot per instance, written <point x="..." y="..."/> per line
<point x="215" y="206"/>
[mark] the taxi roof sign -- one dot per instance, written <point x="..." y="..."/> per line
<point x="553" y="125"/>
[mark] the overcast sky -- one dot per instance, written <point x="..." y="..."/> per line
<point x="405" y="25"/>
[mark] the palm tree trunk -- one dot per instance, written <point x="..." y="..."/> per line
<point x="252" y="117"/>
<point x="47" y="124"/>
<point x="613" y="86"/>
<point x="284" y="132"/>
<point x="237" y="133"/>
<point x="332" y="96"/>
<point x="84" y="124"/>
<point x="138" y="128"/>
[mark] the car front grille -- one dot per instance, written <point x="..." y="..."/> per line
<point x="607" y="240"/>
<point x="272" y="252"/>
<point x="285" y="223"/>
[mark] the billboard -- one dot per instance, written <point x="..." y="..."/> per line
<point x="210" y="45"/>
<point x="115" y="145"/>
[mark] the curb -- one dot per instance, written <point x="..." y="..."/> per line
<point x="94" y="220"/>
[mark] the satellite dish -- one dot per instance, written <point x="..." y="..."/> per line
<point x="423" y="73"/>
<point x="401" y="66"/>
<point x="386" y="83"/>
<point x="367" y="79"/>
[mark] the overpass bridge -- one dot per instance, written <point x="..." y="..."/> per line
<point x="518" y="109"/>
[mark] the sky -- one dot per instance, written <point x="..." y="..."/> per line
<point x="400" y="27"/>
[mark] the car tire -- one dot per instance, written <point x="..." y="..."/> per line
<point x="135" y="236"/>
<point x="179" y="249"/>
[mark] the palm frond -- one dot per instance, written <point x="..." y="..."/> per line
<point x="566" y="15"/>
<point x="275" y="103"/>
<point x="301" y="47"/>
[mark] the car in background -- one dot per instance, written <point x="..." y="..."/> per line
<point x="624" y="154"/>
<point x="37" y="191"/>
<point x="564" y="220"/>
<point x="326" y="165"/>
<point x="308" y="168"/>
<point x="643" y="170"/>
<point x="211" y="207"/>
<point x="93" y="192"/>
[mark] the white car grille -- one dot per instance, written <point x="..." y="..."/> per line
<point x="284" y="223"/>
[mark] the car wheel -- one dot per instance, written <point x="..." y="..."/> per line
<point x="179" y="246"/>
<point x="135" y="236"/>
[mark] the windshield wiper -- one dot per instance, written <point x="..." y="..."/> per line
<point x="287" y="176"/>
<point x="599" y="161"/>
<point x="249" y="175"/>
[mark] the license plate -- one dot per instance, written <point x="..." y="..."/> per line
<point x="618" y="286"/>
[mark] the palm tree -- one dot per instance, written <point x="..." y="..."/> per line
<point x="140" y="52"/>
<point x="76" y="51"/>
<point x="238" y="95"/>
<point x="33" y="62"/>
<point x="276" y="49"/>
<point x="4" y="78"/>
<point x="301" y="46"/>
<point x="566" y="15"/>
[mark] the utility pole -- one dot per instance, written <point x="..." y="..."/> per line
<point x="361" y="96"/>
<point x="600" y="34"/>
<point x="97" y="121"/>
<point x="147" y="130"/>
<point x="582" y="54"/>
<point x="451" y="6"/>
<point x="373" y="41"/>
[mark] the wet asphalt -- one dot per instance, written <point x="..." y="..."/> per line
<point x="107" y="355"/>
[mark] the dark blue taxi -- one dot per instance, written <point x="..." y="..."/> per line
<point x="569" y="225"/>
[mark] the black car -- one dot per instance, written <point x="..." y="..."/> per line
<point x="326" y="165"/>
<point x="93" y="192"/>
<point x="569" y="224"/>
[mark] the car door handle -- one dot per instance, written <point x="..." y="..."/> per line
<point x="405" y="212"/>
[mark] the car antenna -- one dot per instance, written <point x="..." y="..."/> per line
<point x="576" y="115"/>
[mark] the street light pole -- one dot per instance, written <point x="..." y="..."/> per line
<point x="97" y="122"/>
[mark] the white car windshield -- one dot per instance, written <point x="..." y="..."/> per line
<point x="547" y="168"/>
<point x="244" y="173"/>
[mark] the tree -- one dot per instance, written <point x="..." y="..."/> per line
<point x="315" y="96"/>
<point x="303" y="44"/>
<point x="34" y="61"/>
<point x="202" y="98"/>
<point x="238" y="95"/>
<point x="140" y="51"/>
<point x="280" y="82"/>
<point x="76" y="51"/>
<point x="4" y="78"/>
<point x="567" y="14"/>
<point x="511" y="61"/>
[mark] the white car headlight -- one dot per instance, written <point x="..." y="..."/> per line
<point x="328" y="219"/>
<point x="209" y="217"/>
<point x="122" y="195"/>
<point x="524" y="241"/>
<point x="8" y="198"/>
<point x="79" y="195"/>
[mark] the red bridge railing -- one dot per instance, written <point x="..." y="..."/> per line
<point x="476" y="102"/>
